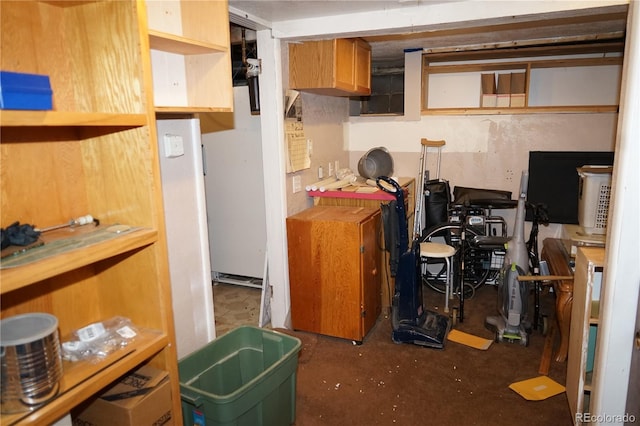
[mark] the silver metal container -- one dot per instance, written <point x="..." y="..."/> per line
<point x="30" y="361"/>
<point x="376" y="162"/>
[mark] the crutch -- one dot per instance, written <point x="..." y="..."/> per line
<point x="420" y="193"/>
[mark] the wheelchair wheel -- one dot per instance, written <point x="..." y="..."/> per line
<point x="434" y="270"/>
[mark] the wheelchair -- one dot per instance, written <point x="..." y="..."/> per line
<point x="470" y="227"/>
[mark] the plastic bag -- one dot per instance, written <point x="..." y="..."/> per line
<point x="95" y="341"/>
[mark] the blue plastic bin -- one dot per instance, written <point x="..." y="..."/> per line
<point x="246" y="377"/>
<point x="25" y="91"/>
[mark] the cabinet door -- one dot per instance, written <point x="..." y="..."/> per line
<point x="370" y="270"/>
<point x="345" y="64"/>
<point x="324" y="277"/>
<point x="363" y="68"/>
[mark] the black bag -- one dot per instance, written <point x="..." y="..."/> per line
<point x="437" y="196"/>
<point x="467" y="196"/>
<point x="391" y="238"/>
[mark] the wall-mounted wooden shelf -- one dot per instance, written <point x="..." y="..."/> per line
<point x="432" y="66"/>
<point x="182" y="45"/>
<point x="569" y="109"/>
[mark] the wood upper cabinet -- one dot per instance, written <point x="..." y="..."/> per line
<point x="334" y="270"/>
<point x="94" y="153"/>
<point x="338" y="67"/>
<point x="191" y="56"/>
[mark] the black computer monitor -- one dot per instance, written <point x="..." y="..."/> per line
<point x="553" y="180"/>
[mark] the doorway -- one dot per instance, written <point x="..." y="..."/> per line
<point x="234" y="182"/>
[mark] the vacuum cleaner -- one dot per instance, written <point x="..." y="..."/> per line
<point x="410" y="321"/>
<point x="511" y="323"/>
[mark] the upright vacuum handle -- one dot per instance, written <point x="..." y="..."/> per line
<point x="403" y="235"/>
<point x="396" y="187"/>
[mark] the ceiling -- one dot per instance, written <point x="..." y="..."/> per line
<point x="603" y="27"/>
<point x="287" y="10"/>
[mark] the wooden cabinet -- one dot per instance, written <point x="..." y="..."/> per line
<point x="338" y="67"/>
<point x="191" y="57"/>
<point x="584" y="328"/>
<point x="334" y="270"/>
<point x="550" y="85"/>
<point x="94" y="153"/>
<point x="373" y="200"/>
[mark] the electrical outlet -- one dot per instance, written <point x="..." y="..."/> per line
<point x="330" y="169"/>
<point x="337" y="165"/>
<point x="297" y="184"/>
<point x="320" y="172"/>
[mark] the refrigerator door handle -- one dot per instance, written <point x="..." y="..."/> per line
<point x="204" y="159"/>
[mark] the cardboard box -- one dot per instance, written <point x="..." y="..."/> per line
<point x="488" y="97"/>
<point x="20" y="91"/>
<point x="140" y="398"/>
<point x="504" y="91"/>
<point x="518" y="84"/>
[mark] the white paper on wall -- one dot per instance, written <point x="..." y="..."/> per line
<point x="297" y="148"/>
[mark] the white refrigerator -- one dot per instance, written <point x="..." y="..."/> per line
<point x="181" y="168"/>
<point x="234" y="184"/>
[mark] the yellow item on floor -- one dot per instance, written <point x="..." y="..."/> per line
<point x="469" y="340"/>
<point x="537" y="389"/>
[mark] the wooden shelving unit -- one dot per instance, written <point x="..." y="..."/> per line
<point x="94" y="153"/>
<point x="585" y="320"/>
<point x="191" y="56"/>
<point x="436" y="65"/>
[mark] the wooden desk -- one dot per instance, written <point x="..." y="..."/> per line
<point x="555" y="253"/>
<point x="349" y="198"/>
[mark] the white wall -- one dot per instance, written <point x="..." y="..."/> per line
<point x="484" y="151"/>
<point x="323" y="126"/>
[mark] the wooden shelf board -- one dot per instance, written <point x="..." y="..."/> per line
<point x="584" y="109"/>
<point x="578" y="62"/>
<point x="12" y="118"/>
<point x="83" y="379"/>
<point x="457" y="68"/>
<point x="522" y="65"/>
<point x="189" y="109"/>
<point x="13" y="278"/>
<point x="182" y="45"/>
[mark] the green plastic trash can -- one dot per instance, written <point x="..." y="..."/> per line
<point x="245" y="377"/>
